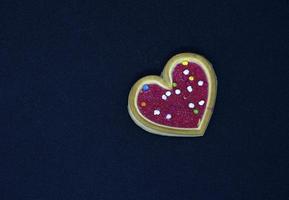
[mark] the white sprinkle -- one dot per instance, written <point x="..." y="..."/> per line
<point x="200" y="83"/>
<point x="186" y="72"/>
<point x="190" y="88"/>
<point x="202" y="102"/>
<point x="164" y="97"/>
<point x="157" y="112"/>
<point x="191" y="105"/>
<point x="177" y="91"/>
<point x="168" y="116"/>
<point x="168" y="93"/>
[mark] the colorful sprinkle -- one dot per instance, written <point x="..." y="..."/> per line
<point x="191" y="105"/>
<point x="190" y="88"/>
<point x="177" y="91"/>
<point x="164" y="97"/>
<point x="174" y="85"/>
<point x="185" y="63"/>
<point x="200" y="83"/>
<point x="191" y="78"/>
<point x="143" y="104"/>
<point x="145" y="87"/>
<point x="202" y="102"/>
<point x="168" y="93"/>
<point x="168" y="116"/>
<point x="196" y="111"/>
<point x="157" y="112"/>
<point x="186" y="72"/>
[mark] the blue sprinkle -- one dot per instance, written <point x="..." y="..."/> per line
<point x="145" y="87"/>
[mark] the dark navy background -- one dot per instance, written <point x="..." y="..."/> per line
<point x="66" y="69"/>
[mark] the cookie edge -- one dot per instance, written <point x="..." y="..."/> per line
<point x="165" y="80"/>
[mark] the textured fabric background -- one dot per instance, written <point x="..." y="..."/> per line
<point x="66" y="68"/>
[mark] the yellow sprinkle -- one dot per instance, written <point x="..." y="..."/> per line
<point x="191" y="78"/>
<point x="185" y="63"/>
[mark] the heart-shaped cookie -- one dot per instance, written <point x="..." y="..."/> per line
<point x="180" y="102"/>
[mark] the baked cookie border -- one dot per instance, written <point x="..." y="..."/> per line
<point x="165" y="81"/>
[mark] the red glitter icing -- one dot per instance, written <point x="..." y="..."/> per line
<point x="176" y="105"/>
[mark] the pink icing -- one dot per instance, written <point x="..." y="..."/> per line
<point x="177" y="106"/>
